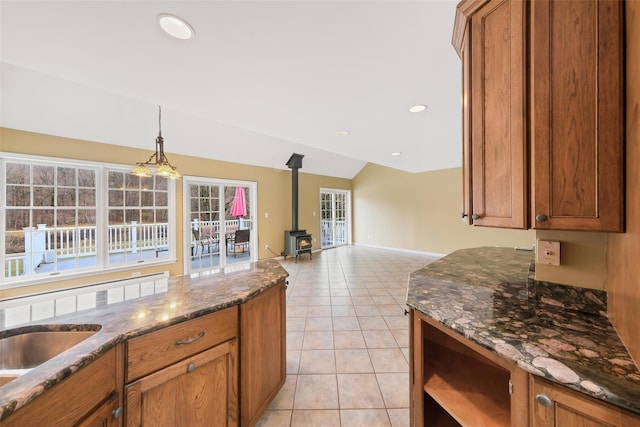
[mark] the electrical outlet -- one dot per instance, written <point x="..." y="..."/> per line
<point x="548" y="252"/>
<point x="266" y="247"/>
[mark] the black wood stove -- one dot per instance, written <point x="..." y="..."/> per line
<point x="296" y="242"/>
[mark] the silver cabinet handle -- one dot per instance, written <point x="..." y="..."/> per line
<point x="117" y="413"/>
<point x="544" y="400"/>
<point x="475" y="216"/>
<point x="190" y="340"/>
<point x="541" y="217"/>
<point x="191" y="367"/>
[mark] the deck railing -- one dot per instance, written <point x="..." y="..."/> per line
<point x="43" y="244"/>
<point x="327" y="230"/>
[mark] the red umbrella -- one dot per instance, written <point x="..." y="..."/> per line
<point x="239" y="205"/>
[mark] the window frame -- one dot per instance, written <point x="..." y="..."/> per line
<point x="102" y="265"/>
<point x="187" y="181"/>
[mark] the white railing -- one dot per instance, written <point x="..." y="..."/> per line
<point x="68" y="242"/>
<point x="13" y="266"/>
<point x="333" y="232"/>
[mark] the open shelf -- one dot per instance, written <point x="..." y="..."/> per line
<point x="473" y="390"/>
<point x="436" y="415"/>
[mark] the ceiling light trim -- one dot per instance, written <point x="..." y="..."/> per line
<point x="175" y="26"/>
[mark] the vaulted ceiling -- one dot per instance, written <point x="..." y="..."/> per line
<point x="259" y="81"/>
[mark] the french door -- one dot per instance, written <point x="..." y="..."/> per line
<point x="335" y="223"/>
<point x="219" y="227"/>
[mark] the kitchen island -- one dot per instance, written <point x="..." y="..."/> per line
<point x="181" y="306"/>
<point x="481" y="310"/>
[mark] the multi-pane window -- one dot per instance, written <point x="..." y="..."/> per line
<point x="138" y="212"/>
<point x="54" y="221"/>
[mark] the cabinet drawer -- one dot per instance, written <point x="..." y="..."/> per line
<point x="153" y="351"/>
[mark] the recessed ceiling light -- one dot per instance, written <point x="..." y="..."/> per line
<point x="342" y="132"/>
<point x="417" y="108"/>
<point x="396" y="153"/>
<point x="175" y="26"/>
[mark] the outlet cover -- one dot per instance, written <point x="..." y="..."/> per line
<point x="548" y="252"/>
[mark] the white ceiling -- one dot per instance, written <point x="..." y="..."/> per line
<point x="260" y="80"/>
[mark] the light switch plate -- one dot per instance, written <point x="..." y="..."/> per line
<point x="548" y="252"/>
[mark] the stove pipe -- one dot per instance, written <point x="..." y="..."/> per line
<point x="294" y="163"/>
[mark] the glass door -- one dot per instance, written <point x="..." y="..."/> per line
<point x="238" y="224"/>
<point x="219" y="226"/>
<point x="335" y="207"/>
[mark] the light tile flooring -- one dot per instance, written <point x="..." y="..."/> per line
<point x="347" y="340"/>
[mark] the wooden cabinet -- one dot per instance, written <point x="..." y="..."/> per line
<point x="262" y="352"/>
<point x="498" y="167"/>
<point x="553" y="405"/>
<point x="186" y="374"/>
<point x="457" y="383"/>
<point x="577" y="115"/>
<point x="89" y="397"/>
<point x="542" y="113"/>
<point x="200" y="390"/>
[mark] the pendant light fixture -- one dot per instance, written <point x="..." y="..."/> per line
<point x="157" y="160"/>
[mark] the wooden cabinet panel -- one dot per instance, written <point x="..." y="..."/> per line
<point x="456" y="382"/>
<point x="86" y="389"/>
<point x="198" y="391"/>
<point x="567" y="408"/>
<point x="497" y="101"/>
<point x="577" y="115"/>
<point x="263" y="352"/>
<point x="155" y="350"/>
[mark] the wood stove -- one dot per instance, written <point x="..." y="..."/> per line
<point x="296" y="242"/>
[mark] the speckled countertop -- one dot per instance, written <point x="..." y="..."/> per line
<point x="183" y="298"/>
<point x="557" y="332"/>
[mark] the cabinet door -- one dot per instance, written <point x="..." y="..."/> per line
<point x="198" y="391"/>
<point x="263" y="352"/>
<point x="577" y="115"/>
<point x="109" y="414"/>
<point x="556" y="406"/>
<point x="497" y="91"/>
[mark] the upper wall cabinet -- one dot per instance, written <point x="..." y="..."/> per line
<point x="542" y="113"/>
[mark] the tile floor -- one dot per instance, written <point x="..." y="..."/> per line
<point x="347" y="339"/>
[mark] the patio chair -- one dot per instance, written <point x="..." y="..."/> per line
<point x="206" y="236"/>
<point x="240" y="238"/>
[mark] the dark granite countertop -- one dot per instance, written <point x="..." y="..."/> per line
<point x="557" y="332"/>
<point x="181" y="298"/>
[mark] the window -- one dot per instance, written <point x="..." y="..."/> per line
<point x="138" y="224"/>
<point x="56" y="224"/>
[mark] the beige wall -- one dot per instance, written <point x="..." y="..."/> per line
<point x="419" y="211"/>
<point x="582" y="259"/>
<point x="274" y="192"/>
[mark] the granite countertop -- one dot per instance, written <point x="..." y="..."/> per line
<point x="182" y="298"/>
<point x="561" y="333"/>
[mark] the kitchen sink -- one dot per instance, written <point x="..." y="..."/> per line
<point x="23" y="352"/>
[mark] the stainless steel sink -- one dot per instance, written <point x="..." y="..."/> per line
<point x="22" y="352"/>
